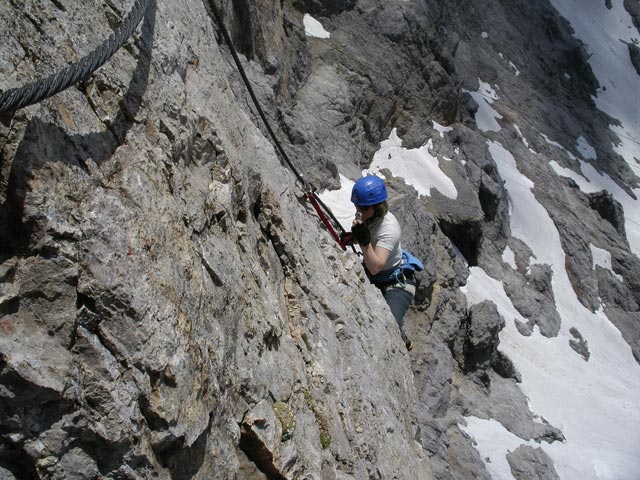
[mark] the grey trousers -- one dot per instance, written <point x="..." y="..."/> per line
<point x="399" y="300"/>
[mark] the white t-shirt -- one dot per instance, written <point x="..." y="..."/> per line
<point x="385" y="233"/>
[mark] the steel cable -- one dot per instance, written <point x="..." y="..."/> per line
<point x="227" y="38"/>
<point x="35" y="92"/>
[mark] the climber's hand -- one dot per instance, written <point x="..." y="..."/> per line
<point x="361" y="233"/>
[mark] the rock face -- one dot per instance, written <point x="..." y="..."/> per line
<point x="172" y="308"/>
<point x="527" y="462"/>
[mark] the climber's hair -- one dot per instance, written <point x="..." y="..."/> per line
<point x="380" y="209"/>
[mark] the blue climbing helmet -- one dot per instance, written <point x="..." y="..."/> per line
<point x="368" y="191"/>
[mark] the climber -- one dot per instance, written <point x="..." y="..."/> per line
<point x="377" y="232"/>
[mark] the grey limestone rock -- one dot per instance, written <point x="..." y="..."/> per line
<point x="528" y="463"/>
<point x="579" y="344"/>
<point x="609" y="209"/>
<point x="481" y="337"/>
<point x="532" y="301"/>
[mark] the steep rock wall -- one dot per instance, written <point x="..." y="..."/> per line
<point x="170" y="308"/>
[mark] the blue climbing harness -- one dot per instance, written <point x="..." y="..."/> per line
<point x="397" y="275"/>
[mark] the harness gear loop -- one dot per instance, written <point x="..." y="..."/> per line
<point x="401" y="279"/>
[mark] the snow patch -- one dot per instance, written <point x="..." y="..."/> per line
<point x="486" y="116"/>
<point x="602" y="258"/>
<point x="509" y="258"/>
<point x="339" y="201"/>
<point x="586" y="151"/>
<point x="313" y="28"/>
<point x="418" y="167"/>
<point x="441" y="129"/>
<point x="491" y="438"/>
<point x="524" y="139"/>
